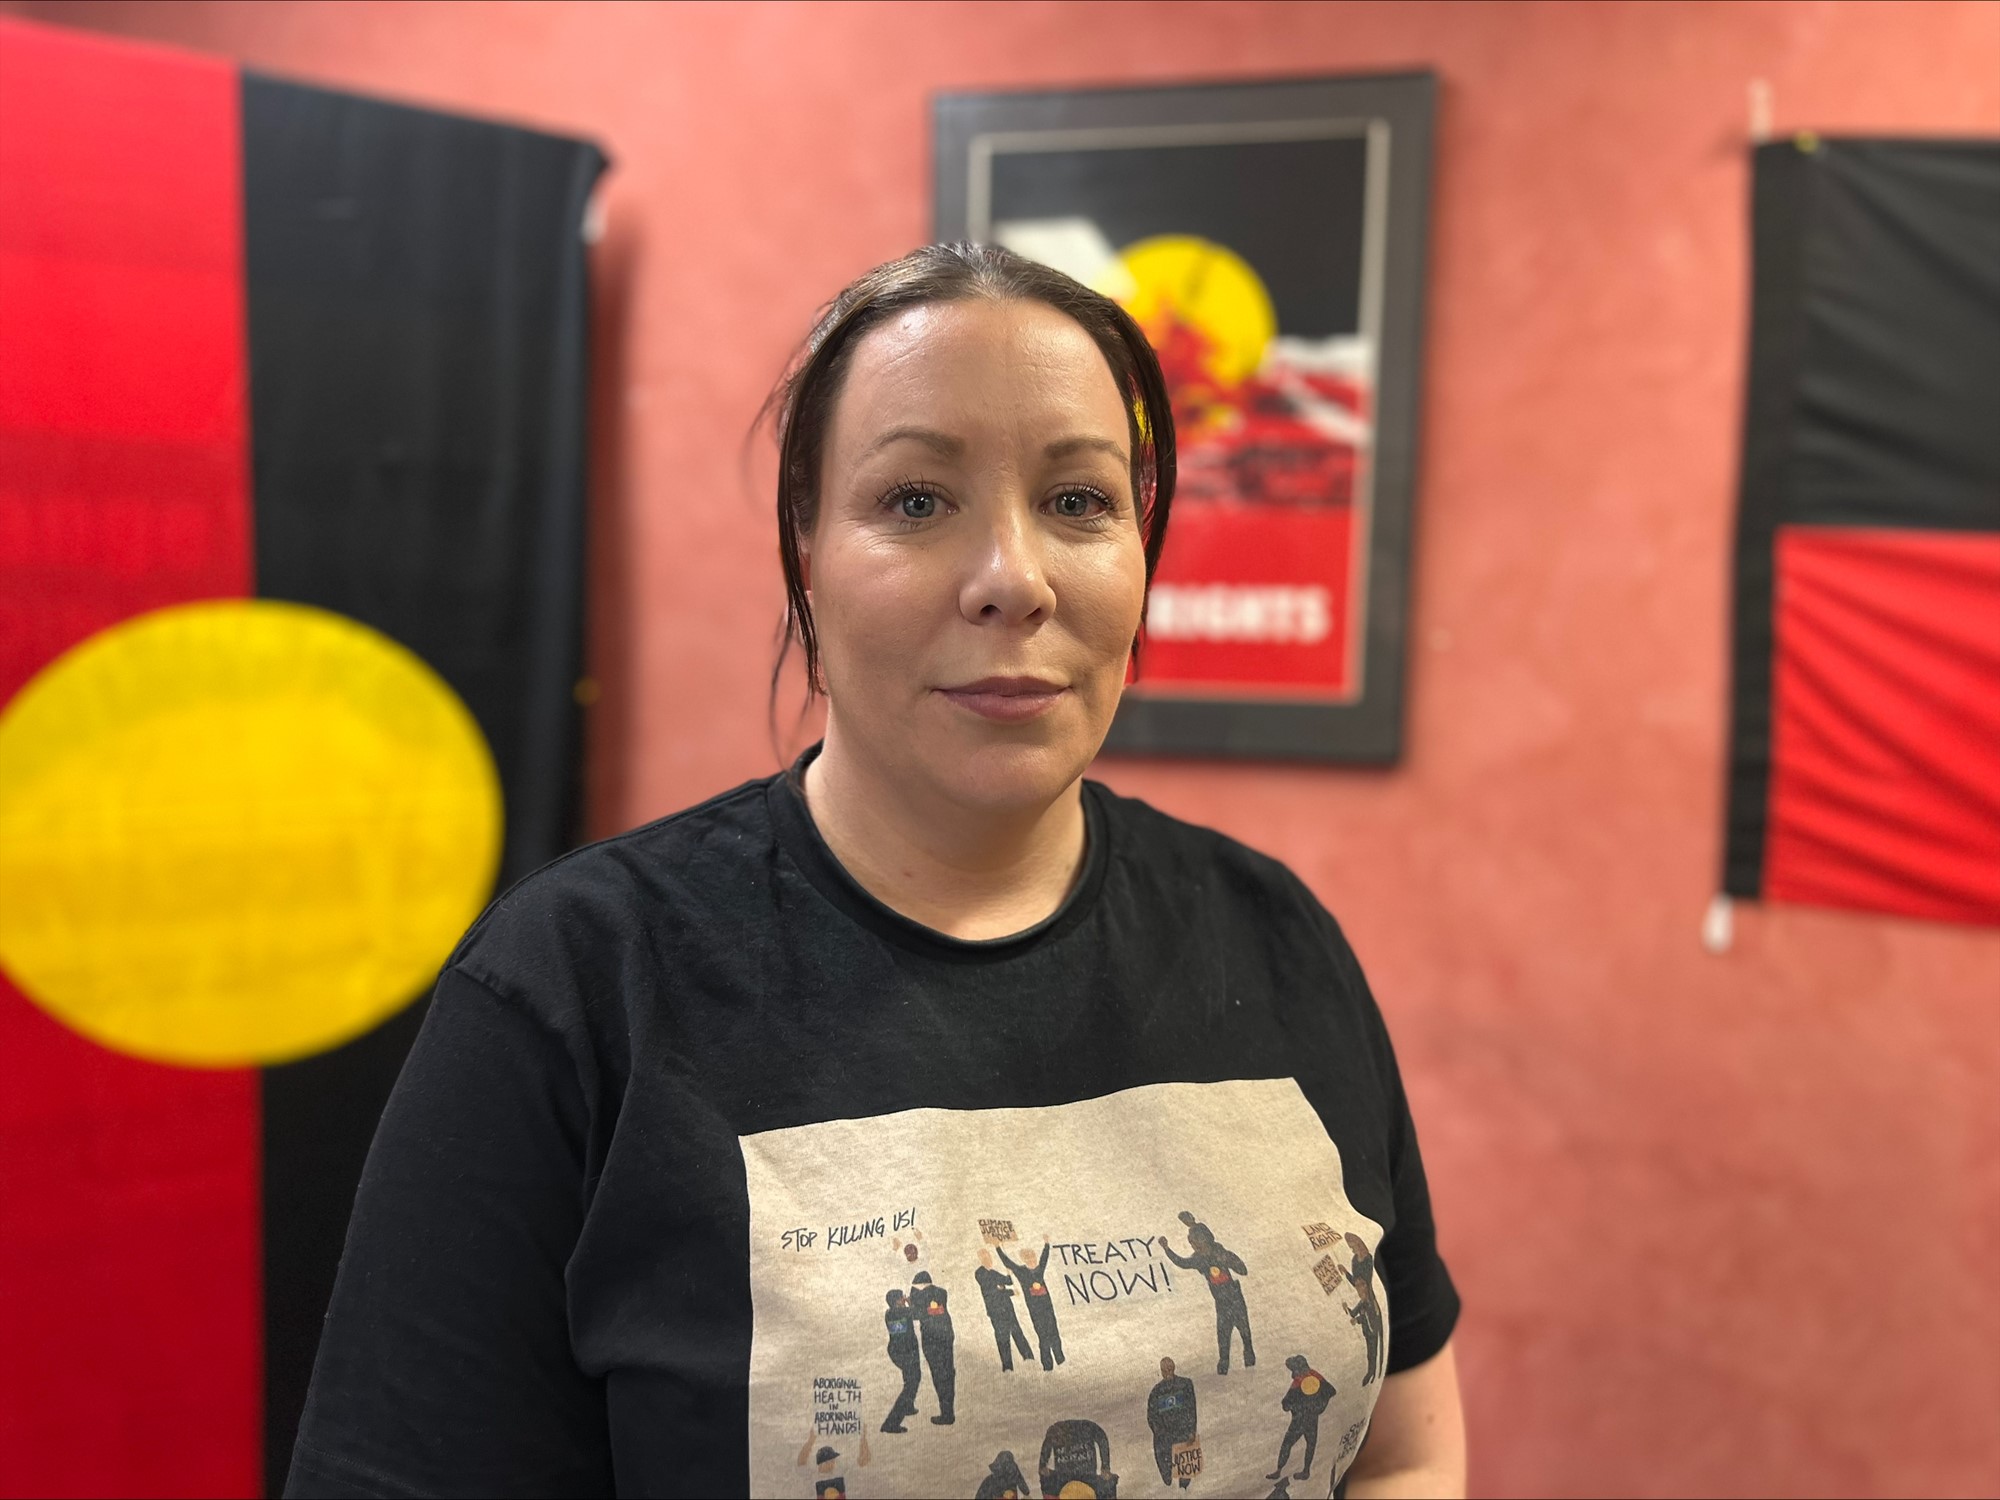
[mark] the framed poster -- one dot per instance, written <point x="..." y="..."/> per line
<point x="1269" y="237"/>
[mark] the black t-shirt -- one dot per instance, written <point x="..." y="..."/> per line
<point x="632" y="1210"/>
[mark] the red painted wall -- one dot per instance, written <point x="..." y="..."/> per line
<point x="1725" y="1225"/>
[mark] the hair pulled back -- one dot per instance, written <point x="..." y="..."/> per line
<point x="803" y="400"/>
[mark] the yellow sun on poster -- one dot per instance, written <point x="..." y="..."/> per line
<point x="238" y="832"/>
<point x="1209" y="288"/>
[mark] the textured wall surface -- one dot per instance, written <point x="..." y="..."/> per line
<point x="1723" y="1224"/>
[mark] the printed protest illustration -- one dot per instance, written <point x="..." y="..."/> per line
<point x="1307" y="1400"/>
<point x="829" y="1482"/>
<point x="1100" y="1321"/>
<point x="905" y="1355"/>
<point x="1076" y="1460"/>
<point x="1041" y="1306"/>
<point x="1173" y="1413"/>
<point x="1219" y="1267"/>
<point x="996" y="1289"/>
<point x="936" y="1339"/>
<point x="1003" y="1481"/>
<point x="1366" y="1310"/>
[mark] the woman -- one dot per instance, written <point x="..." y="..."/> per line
<point x="625" y="1225"/>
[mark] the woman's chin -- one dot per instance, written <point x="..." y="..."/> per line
<point x="1017" y="775"/>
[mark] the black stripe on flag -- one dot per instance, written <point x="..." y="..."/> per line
<point x="417" y="313"/>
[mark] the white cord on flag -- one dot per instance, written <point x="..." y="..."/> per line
<point x="1718" y="925"/>
<point x="1760" y="111"/>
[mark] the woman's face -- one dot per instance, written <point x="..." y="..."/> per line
<point x="976" y="569"/>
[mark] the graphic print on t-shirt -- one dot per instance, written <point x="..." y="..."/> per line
<point x="1179" y="1298"/>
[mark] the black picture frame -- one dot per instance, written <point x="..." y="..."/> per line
<point x="1393" y="115"/>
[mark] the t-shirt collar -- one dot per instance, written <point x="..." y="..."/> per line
<point x="800" y="838"/>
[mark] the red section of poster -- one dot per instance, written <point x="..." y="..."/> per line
<point x="130" y="1361"/>
<point x="1253" y="599"/>
<point x="1885" y="775"/>
<point x="1255" y="595"/>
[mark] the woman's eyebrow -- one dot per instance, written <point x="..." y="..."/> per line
<point x="1064" y="447"/>
<point x="947" y="446"/>
<point x="943" y="443"/>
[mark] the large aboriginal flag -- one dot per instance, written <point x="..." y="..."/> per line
<point x="291" y="425"/>
<point x="1865" y="752"/>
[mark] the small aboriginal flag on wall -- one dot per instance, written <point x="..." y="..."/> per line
<point x="1865" y="750"/>
<point x="291" y="526"/>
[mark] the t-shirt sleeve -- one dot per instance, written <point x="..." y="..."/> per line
<point x="445" y="1366"/>
<point x="1423" y="1302"/>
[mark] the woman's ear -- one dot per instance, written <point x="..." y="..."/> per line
<point x="805" y="570"/>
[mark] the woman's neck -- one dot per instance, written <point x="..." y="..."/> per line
<point x="963" y="872"/>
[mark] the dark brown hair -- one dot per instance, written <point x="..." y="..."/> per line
<point x="802" y="402"/>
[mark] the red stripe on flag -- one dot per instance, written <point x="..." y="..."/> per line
<point x="1885" y="775"/>
<point x="130" y="1361"/>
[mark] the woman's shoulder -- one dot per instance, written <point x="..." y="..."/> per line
<point x="1142" y="831"/>
<point x="1249" y="907"/>
<point x="586" y="908"/>
<point x="1159" y="849"/>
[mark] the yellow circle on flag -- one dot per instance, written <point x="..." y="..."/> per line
<point x="1310" y="1385"/>
<point x="1209" y="287"/>
<point x="238" y="832"/>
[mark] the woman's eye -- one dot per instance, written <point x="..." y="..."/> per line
<point x="917" y="506"/>
<point x="1079" y="505"/>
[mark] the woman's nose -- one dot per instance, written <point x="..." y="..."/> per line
<point x="1007" y="580"/>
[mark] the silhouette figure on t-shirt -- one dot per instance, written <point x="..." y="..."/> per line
<point x="1364" y="1319"/>
<point x="1306" y="1400"/>
<point x="996" y="1290"/>
<point x="1219" y="1267"/>
<point x="828" y="1482"/>
<point x="1170" y="1412"/>
<point x="936" y="1338"/>
<point x="1077" y="1452"/>
<point x="1367" y="1309"/>
<point x="1041" y="1306"/>
<point x="829" y="1485"/>
<point x="1004" y="1480"/>
<point x="901" y="1321"/>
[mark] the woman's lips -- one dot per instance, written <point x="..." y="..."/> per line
<point x="1006" y="700"/>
